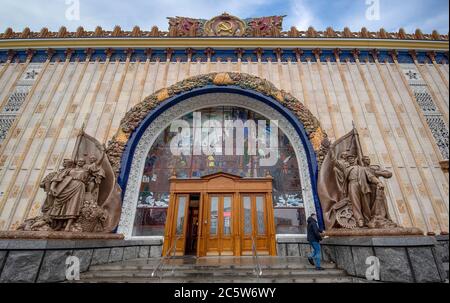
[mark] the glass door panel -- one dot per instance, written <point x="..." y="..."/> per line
<point x="219" y="212"/>
<point x="214" y="216"/>
<point x="181" y="215"/>
<point x="260" y="215"/>
<point x="247" y="208"/>
<point x="227" y="201"/>
<point x="254" y="224"/>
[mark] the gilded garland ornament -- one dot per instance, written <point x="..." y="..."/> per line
<point x="137" y="114"/>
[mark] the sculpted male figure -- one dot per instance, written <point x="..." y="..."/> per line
<point x="359" y="180"/>
<point x="378" y="203"/>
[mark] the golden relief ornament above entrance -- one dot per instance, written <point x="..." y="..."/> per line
<point x="225" y="25"/>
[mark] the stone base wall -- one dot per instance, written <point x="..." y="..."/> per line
<point x="442" y="250"/>
<point x="293" y="246"/>
<point x="442" y="247"/>
<point x="402" y="259"/>
<point x="43" y="261"/>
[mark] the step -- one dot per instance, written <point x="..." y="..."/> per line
<point x="150" y="264"/>
<point x="220" y="260"/>
<point x="216" y="270"/>
<point x="214" y="274"/>
<point x="120" y="266"/>
<point x="222" y="280"/>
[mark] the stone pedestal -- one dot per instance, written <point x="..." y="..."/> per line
<point x="35" y="258"/>
<point x="60" y="235"/>
<point x="402" y="258"/>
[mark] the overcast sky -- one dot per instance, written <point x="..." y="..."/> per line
<point x="393" y="14"/>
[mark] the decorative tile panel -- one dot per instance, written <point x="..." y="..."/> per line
<point x="429" y="109"/>
<point x="16" y="99"/>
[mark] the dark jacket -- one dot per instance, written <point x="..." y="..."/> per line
<point x="313" y="231"/>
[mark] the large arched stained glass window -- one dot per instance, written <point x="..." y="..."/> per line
<point x="241" y="160"/>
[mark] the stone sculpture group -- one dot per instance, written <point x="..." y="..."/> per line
<point x="72" y="194"/>
<point x="362" y="192"/>
<point x="351" y="192"/>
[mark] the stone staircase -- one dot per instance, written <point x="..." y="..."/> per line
<point x="216" y="270"/>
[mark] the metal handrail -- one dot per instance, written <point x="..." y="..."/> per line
<point x="167" y="256"/>
<point x="257" y="270"/>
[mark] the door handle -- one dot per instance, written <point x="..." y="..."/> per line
<point x="206" y="222"/>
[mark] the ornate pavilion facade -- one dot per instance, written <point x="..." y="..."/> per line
<point x="392" y="87"/>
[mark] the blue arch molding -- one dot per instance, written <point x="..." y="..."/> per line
<point x="134" y="139"/>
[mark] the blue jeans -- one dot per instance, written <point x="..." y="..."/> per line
<point x="315" y="254"/>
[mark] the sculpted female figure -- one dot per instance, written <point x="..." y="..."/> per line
<point x="69" y="195"/>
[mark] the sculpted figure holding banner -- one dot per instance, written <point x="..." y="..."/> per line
<point x="350" y="190"/>
<point x="378" y="204"/>
<point x="357" y="186"/>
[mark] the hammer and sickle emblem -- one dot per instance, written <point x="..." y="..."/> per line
<point x="225" y="26"/>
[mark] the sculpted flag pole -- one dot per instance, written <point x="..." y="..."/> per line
<point x="358" y="144"/>
<point x="109" y="193"/>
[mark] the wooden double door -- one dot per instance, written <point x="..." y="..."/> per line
<point x="220" y="215"/>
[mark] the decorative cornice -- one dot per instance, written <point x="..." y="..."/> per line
<point x="413" y="54"/>
<point x="69" y="52"/>
<point x="169" y="53"/>
<point x="239" y="53"/>
<point x="148" y="52"/>
<point x="109" y="52"/>
<point x="259" y="52"/>
<point x="278" y="53"/>
<point x="298" y="54"/>
<point x="356" y="52"/>
<point x="244" y="43"/>
<point x="432" y="55"/>
<point x="218" y="54"/>
<point x="30" y="53"/>
<point x="271" y="28"/>
<point x="129" y="52"/>
<point x="190" y="52"/>
<point x="50" y="52"/>
<point x="136" y="32"/>
<point x="317" y="52"/>
<point x="11" y="54"/>
<point x="394" y="54"/>
<point x="375" y="53"/>
<point x="337" y="52"/>
<point x="209" y="52"/>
